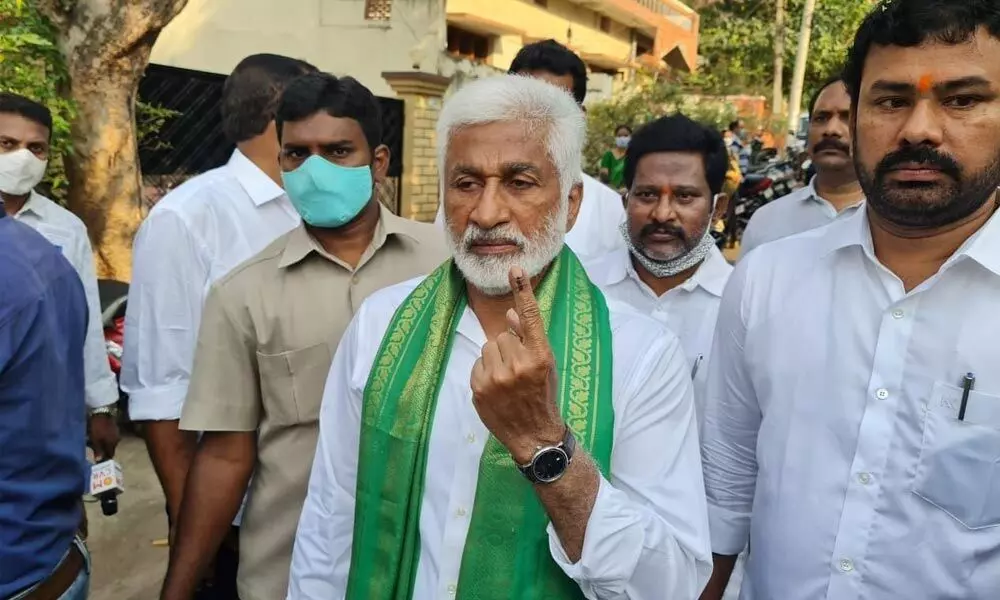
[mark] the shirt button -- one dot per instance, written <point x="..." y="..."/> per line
<point x="452" y="588"/>
<point x="898" y="313"/>
<point x="354" y="280"/>
<point x="865" y="478"/>
<point x="882" y="393"/>
<point x="471" y="438"/>
<point x="846" y="565"/>
<point x="460" y="512"/>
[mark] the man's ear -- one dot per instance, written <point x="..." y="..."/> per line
<point x="721" y="206"/>
<point x="380" y="162"/>
<point x="575" y="199"/>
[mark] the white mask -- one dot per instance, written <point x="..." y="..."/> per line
<point x="20" y="172"/>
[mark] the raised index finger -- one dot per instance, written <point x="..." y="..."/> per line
<point x="528" y="313"/>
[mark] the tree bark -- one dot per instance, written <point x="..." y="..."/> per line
<point x="106" y="45"/>
<point x="801" y="57"/>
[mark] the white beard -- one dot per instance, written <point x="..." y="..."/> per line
<point x="490" y="274"/>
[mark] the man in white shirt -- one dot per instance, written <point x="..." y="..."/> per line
<point x="595" y="232"/>
<point x="25" y="131"/>
<point x="832" y="192"/>
<point x="671" y="268"/>
<point x="467" y="452"/>
<point x="193" y="236"/>
<point x="852" y="425"/>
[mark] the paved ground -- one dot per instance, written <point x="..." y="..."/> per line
<point x="126" y="564"/>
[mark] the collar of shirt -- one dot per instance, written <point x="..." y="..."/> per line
<point x="811" y="193"/>
<point x="855" y="230"/>
<point x="711" y="275"/>
<point x="261" y="188"/>
<point x="34" y="205"/>
<point x="300" y="244"/>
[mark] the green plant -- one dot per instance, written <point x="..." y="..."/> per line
<point x="31" y="65"/>
<point x="646" y="98"/>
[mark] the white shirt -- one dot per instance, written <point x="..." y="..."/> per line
<point x="830" y="431"/>
<point x="689" y="310"/>
<point x="191" y="238"/>
<point x="646" y="537"/>
<point x="802" y="210"/>
<point x="595" y="232"/>
<point x="66" y="231"/>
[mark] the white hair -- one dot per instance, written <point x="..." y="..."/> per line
<point x="539" y="105"/>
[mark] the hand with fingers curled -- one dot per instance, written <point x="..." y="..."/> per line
<point x="514" y="382"/>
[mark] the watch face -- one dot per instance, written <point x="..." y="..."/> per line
<point x="550" y="465"/>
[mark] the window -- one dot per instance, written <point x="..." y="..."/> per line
<point x="465" y="44"/>
<point x="378" y="10"/>
<point x="605" y="25"/>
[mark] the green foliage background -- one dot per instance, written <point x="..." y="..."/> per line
<point x="736" y="47"/>
<point x="32" y="66"/>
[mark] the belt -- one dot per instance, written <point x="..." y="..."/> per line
<point x="56" y="584"/>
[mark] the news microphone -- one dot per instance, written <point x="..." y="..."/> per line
<point x="106" y="482"/>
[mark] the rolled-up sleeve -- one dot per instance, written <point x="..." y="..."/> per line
<point x="321" y="558"/>
<point x="165" y="299"/>
<point x="647" y="537"/>
<point x="101" y="387"/>
<point x="731" y="422"/>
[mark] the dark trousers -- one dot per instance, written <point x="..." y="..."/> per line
<point x="220" y="581"/>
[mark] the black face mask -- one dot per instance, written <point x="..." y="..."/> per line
<point x="926" y="205"/>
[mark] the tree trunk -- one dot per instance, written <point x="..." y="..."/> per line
<point x="801" y="57"/>
<point x="106" y="45"/>
<point x="778" y="91"/>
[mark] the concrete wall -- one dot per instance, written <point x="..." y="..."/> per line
<point x="566" y="22"/>
<point x="214" y="35"/>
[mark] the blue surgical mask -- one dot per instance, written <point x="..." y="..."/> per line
<point x="326" y="194"/>
<point x="622" y="141"/>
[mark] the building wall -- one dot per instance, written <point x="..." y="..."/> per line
<point x="214" y="35"/>
<point x="566" y="22"/>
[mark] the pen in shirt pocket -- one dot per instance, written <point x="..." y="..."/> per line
<point x="968" y="383"/>
<point x="697" y="363"/>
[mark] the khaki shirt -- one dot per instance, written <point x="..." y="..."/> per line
<point x="267" y="338"/>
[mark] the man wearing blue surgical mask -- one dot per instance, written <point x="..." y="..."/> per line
<point x="270" y="329"/>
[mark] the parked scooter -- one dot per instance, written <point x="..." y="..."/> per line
<point x="114" y="300"/>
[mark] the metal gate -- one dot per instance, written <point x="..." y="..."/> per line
<point x="193" y="142"/>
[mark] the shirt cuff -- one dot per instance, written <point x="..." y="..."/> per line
<point x="103" y="392"/>
<point x="157" y="404"/>
<point x="612" y="546"/>
<point x="730" y="530"/>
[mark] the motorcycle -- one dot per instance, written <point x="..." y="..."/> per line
<point x="114" y="300"/>
<point x="767" y="179"/>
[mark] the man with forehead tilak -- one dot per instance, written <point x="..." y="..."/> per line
<point x="498" y="429"/>
<point x="852" y="420"/>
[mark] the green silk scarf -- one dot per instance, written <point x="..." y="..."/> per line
<point x="506" y="553"/>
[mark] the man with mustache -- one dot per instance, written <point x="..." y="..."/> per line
<point x="672" y="269"/>
<point x="852" y="424"/>
<point x="498" y="429"/>
<point x="832" y="192"/>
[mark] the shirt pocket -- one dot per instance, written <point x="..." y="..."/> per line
<point x="959" y="466"/>
<point x="292" y="382"/>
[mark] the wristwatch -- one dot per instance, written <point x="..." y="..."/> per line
<point x="549" y="464"/>
<point x="110" y="410"/>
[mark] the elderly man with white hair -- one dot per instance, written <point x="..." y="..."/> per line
<point x="498" y="429"/>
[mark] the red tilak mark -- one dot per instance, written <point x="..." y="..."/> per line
<point x="924" y="85"/>
<point x="520" y="284"/>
